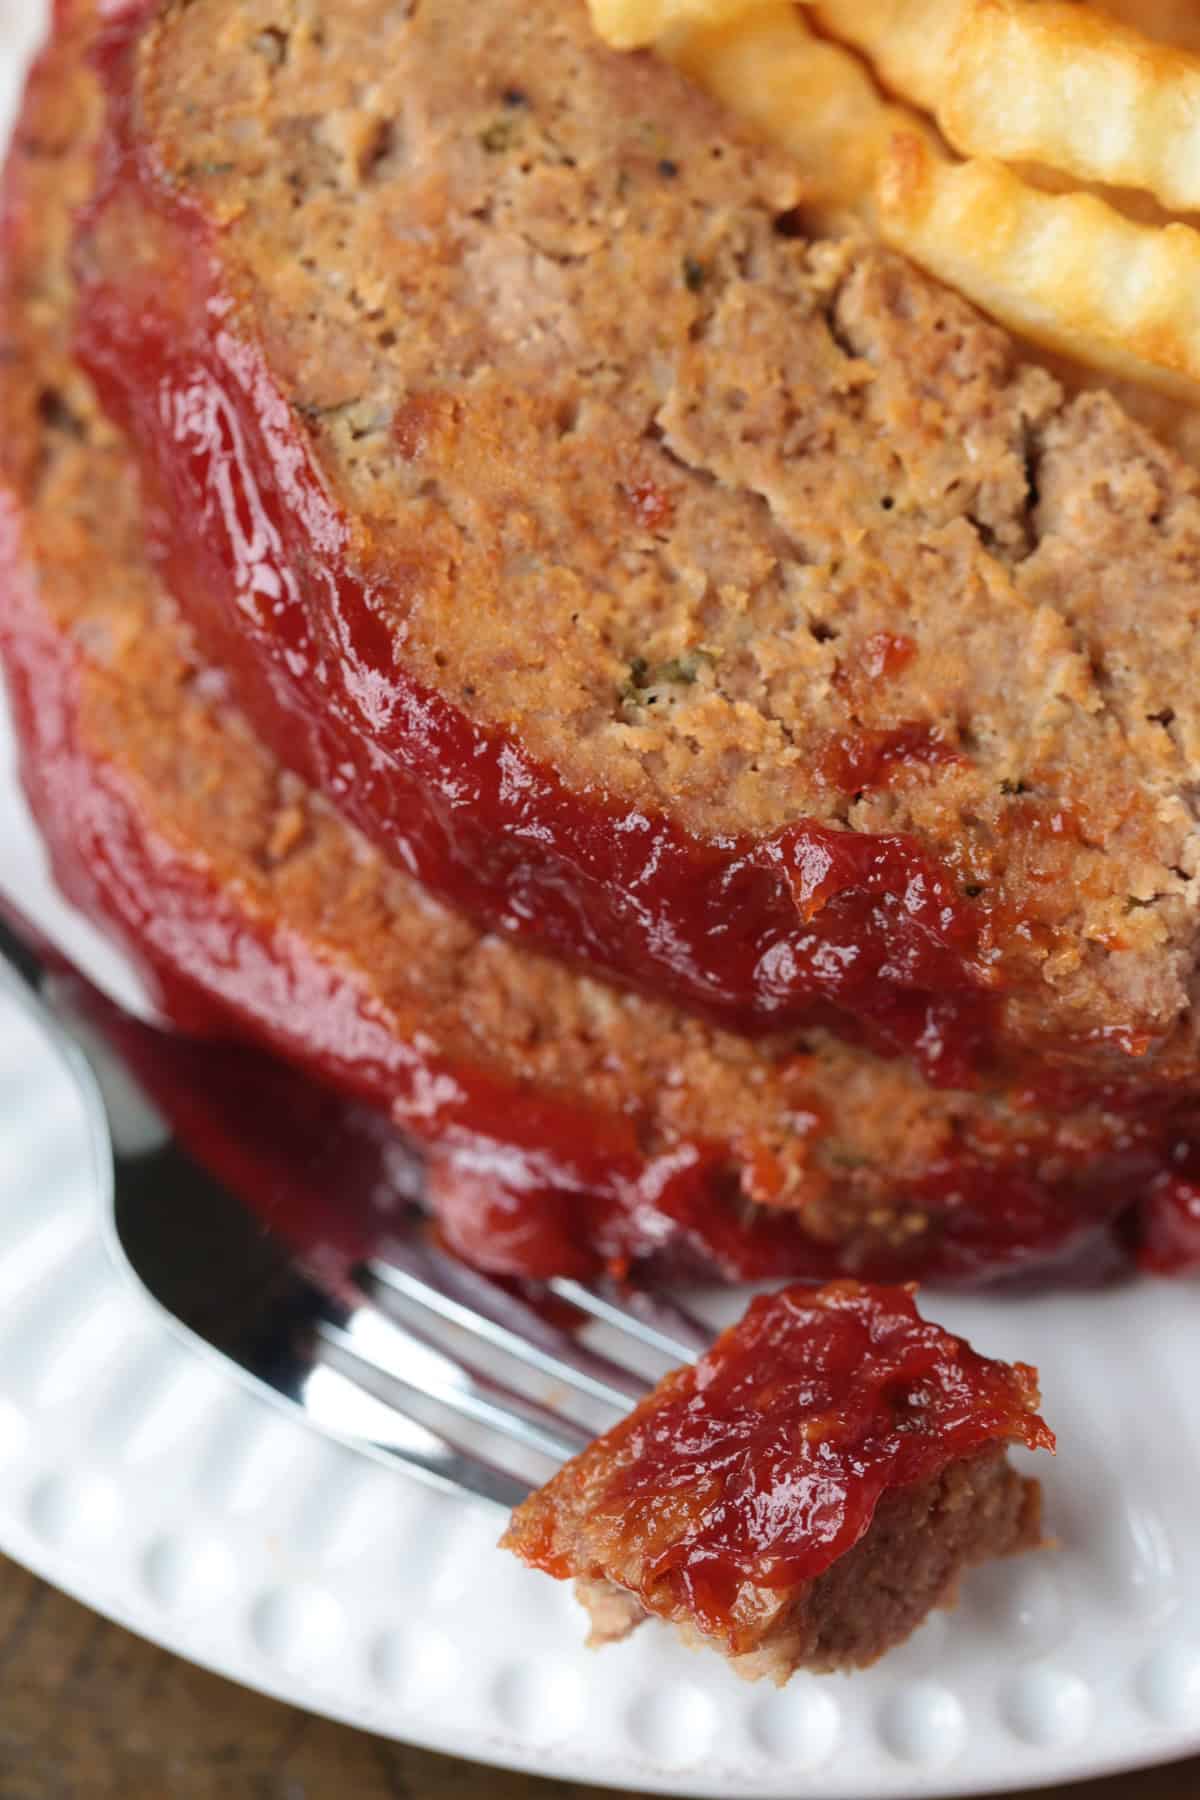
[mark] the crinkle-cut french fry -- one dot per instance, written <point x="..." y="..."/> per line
<point x="1052" y="83"/>
<point x="1066" y="270"/>
<point x="633" y="24"/>
<point x="811" y="97"/>
<point x="907" y="42"/>
<point x="1062" y="85"/>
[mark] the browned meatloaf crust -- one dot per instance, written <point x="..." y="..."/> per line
<point x="639" y="476"/>
<point x="806" y="1494"/>
<point x="622" y="1126"/>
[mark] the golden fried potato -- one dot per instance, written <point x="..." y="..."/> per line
<point x="1066" y="270"/>
<point x="633" y="24"/>
<point x="1053" y="83"/>
<point x="908" y="43"/>
<point x="812" y="97"/>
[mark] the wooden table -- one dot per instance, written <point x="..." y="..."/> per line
<point x="88" y="1712"/>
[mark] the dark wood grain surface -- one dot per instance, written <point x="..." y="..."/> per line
<point x="88" y="1712"/>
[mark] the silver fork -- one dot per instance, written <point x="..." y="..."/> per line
<point x="413" y="1358"/>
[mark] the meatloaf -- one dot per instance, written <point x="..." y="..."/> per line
<point x="566" y="1122"/>
<point x="734" y="611"/>
<point x="805" y="1494"/>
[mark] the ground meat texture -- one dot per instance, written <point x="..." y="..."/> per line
<point x="640" y="478"/>
<point x="567" y="1123"/>
<point x="805" y="1494"/>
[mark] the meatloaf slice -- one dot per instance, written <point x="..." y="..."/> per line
<point x="735" y="611"/>
<point x="567" y="1123"/>
<point x="806" y="1493"/>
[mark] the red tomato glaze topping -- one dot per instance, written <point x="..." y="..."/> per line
<point x="764" y="1463"/>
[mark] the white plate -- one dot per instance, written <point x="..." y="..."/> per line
<point x="139" y="1477"/>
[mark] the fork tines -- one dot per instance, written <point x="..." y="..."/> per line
<point x="483" y="1386"/>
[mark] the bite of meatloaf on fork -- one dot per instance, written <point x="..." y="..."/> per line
<point x="806" y="1493"/>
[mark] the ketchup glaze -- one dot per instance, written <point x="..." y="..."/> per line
<point x="764" y="1463"/>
